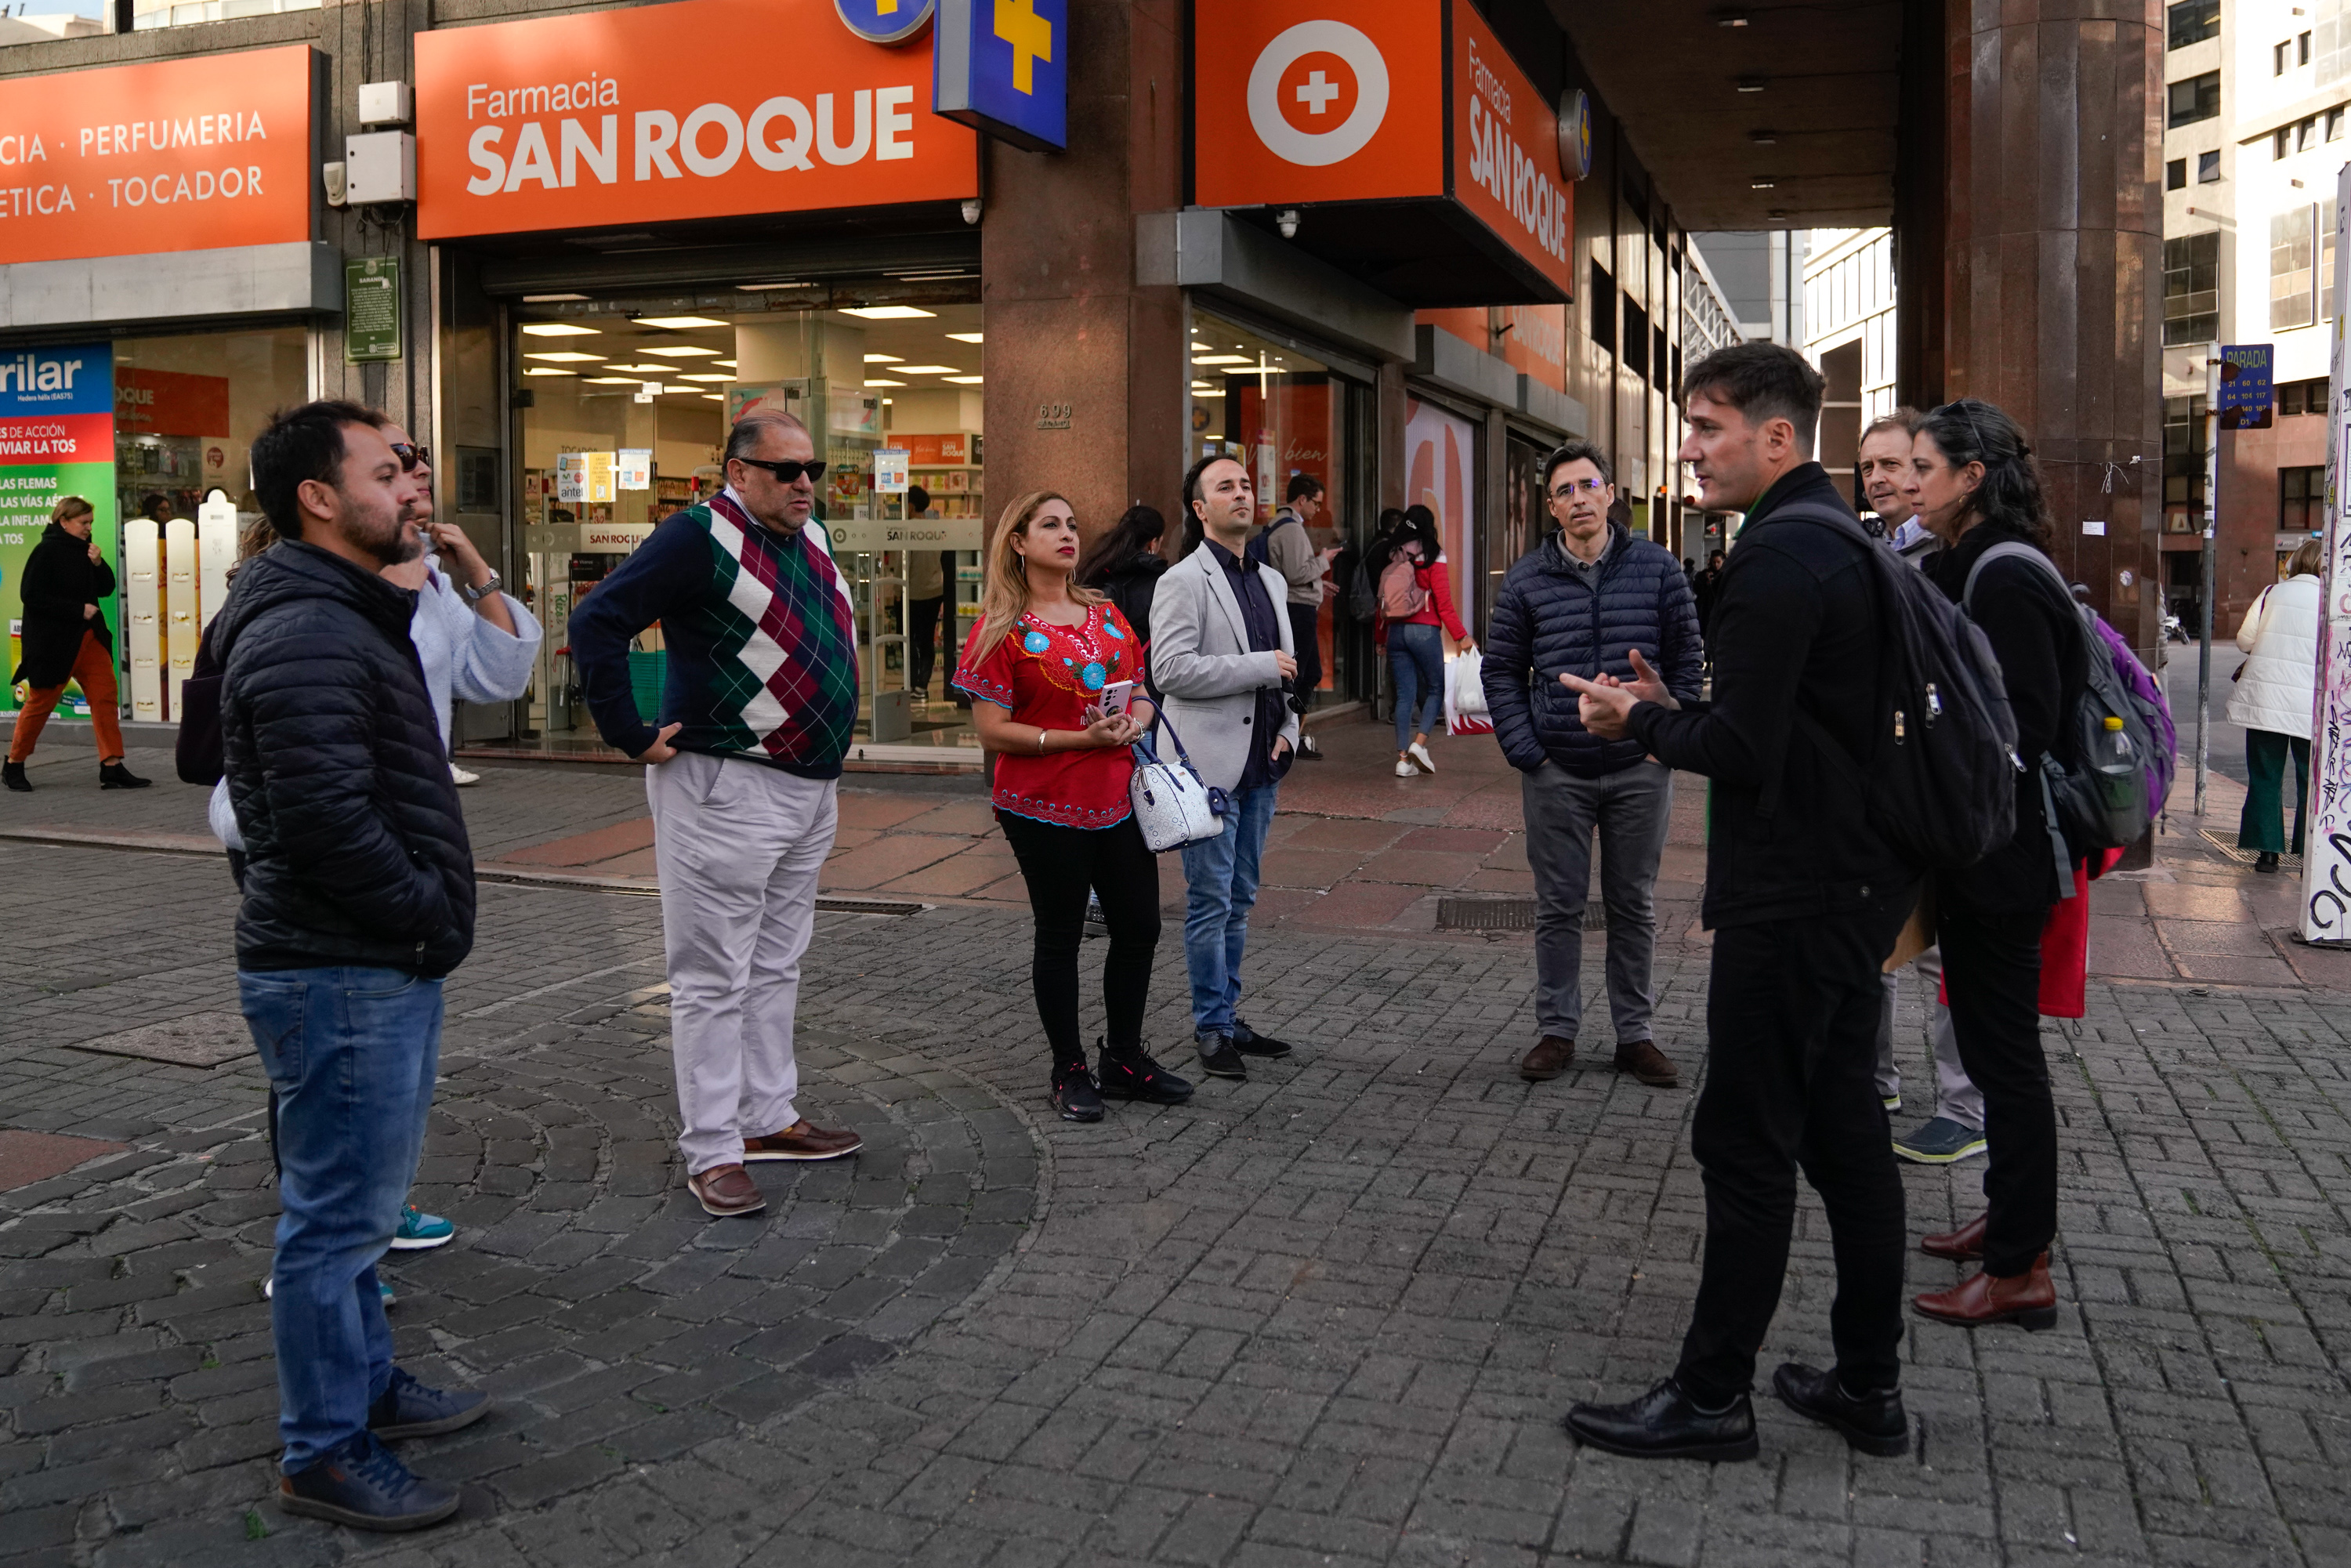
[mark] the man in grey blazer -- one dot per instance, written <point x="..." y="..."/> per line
<point x="1221" y="655"/>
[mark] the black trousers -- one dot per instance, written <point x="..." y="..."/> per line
<point x="1991" y="968"/>
<point x="1305" y="635"/>
<point x="1060" y="864"/>
<point x="1792" y="1053"/>
<point x="922" y="641"/>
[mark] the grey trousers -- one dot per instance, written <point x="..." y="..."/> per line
<point x="1956" y="1096"/>
<point x="1629" y="810"/>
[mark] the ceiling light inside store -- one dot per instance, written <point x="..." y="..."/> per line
<point x="884" y="384"/>
<point x="547" y="370"/>
<point x="682" y="352"/>
<point x="709" y="378"/>
<point x="551" y="298"/>
<point x="678" y="323"/>
<point x="566" y="357"/>
<point x="1204" y="348"/>
<point x="728" y="364"/>
<point x="1204" y="386"/>
<point x="763" y="288"/>
<point x="967" y="337"/>
<point x="881" y="358"/>
<point x="1198" y="392"/>
<point x="649" y="370"/>
<point x="966" y="380"/>
<point x="926" y="370"/>
<point x="1220" y="360"/>
<point x="715" y="397"/>
<point x="889" y="313"/>
<point x="557" y="329"/>
<point x="612" y="380"/>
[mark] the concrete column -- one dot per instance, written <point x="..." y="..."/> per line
<point x="2053" y="264"/>
<point x="1066" y="322"/>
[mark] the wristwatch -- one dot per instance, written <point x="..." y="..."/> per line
<point x="475" y="595"/>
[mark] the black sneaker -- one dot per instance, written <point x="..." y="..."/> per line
<point x="1129" y="1073"/>
<point x="1248" y="1043"/>
<point x="11" y="773"/>
<point x="1874" y="1423"/>
<point x="409" y="1409"/>
<point x="360" y="1484"/>
<point x="1075" y="1095"/>
<point x="1219" y="1057"/>
<point x="114" y="776"/>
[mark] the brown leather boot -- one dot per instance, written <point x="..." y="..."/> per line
<point x="2027" y="1299"/>
<point x="1549" y="1058"/>
<point x="1964" y="1245"/>
<point x="1645" y="1061"/>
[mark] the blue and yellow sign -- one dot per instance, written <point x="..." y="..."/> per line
<point x="2246" y="391"/>
<point x="1002" y="66"/>
<point x="885" y="21"/>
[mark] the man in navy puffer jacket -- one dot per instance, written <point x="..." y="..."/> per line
<point x="1583" y="603"/>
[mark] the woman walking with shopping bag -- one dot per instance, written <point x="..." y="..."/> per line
<point x="1055" y="674"/>
<point x="2272" y="701"/>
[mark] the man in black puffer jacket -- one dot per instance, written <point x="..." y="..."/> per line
<point x="359" y="898"/>
<point x="1581" y="604"/>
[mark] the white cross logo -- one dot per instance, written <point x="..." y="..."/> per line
<point x="1316" y="93"/>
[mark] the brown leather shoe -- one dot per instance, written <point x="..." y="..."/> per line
<point x="1645" y="1061"/>
<point x="1964" y="1245"/>
<point x="2028" y="1298"/>
<point x="803" y="1140"/>
<point x="727" y="1190"/>
<point x="1549" y="1058"/>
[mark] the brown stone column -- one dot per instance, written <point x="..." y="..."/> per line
<point x="1066" y="322"/>
<point x="2053" y="260"/>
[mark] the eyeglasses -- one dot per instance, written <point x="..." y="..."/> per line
<point x="1573" y="486"/>
<point x="787" y="470"/>
<point x="409" y="455"/>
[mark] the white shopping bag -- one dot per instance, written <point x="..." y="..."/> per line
<point x="1465" y="695"/>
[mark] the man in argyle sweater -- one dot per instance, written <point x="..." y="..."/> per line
<point x="757" y="711"/>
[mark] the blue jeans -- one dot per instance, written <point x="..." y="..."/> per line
<point x="1221" y="875"/>
<point x="1416" y="659"/>
<point x="352" y="1053"/>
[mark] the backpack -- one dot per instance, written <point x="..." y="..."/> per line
<point x="1257" y="550"/>
<point x="1401" y="595"/>
<point x="1362" y="589"/>
<point x="1939" y="788"/>
<point x="2107" y="801"/>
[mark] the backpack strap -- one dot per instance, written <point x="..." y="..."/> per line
<point x="2013" y="550"/>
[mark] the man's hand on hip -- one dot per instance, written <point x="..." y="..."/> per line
<point x="661" y="750"/>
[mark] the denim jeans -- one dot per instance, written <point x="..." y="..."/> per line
<point x="1417" y="658"/>
<point x="350" y="1053"/>
<point x="1221" y="875"/>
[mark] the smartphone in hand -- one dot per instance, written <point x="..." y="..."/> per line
<point x="1115" y="696"/>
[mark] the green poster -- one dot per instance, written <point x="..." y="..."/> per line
<point x="371" y="309"/>
<point x="27" y="494"/>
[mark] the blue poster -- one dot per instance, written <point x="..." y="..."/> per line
<point x="1002" y="66"/>
<point x="2245" y="390"/>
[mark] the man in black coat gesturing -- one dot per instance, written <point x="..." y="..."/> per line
<point x="65" y="639"/>
<point x="358" y="900"/>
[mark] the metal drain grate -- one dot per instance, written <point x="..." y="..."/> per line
<point x="1504" y="915"/>
<point x="832" y="904"/>
<point x="2225" y="843"/>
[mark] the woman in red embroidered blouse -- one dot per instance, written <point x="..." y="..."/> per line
<point x="1038" y="668"/>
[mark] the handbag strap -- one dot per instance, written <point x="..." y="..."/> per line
<point x="1159" y="716"/>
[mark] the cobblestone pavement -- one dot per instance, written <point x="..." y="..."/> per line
<point x="1328" y="1316"/>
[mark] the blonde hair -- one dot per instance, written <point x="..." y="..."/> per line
<point x="70" y="506"/>
<point x="1004" y="580"/>
<point x="2309" y="558"/>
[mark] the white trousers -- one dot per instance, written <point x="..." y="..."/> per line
<point x="739" y="846"/>
<point x="1956" y="1096"/>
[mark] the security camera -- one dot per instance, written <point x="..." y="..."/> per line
<point x="971" y="211"/>
<point x="1286" y="221"/>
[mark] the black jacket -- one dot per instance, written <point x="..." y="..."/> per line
<point x="1550" y="619"/>
<point x="1796" y="626"/>
<point x="2036" y="632"/>
<point x="59" y="577"/>
<point x="1131" y="584"/>
<point x="357" y="849"/>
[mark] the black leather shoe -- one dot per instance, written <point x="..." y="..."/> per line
<point x="409" y="1409"/>
<point x="1218" y="1057"/>
<point x="358" y="1483"/>
<point x="114" y="776"/>
<point x="1874" y="1423"/>
<point x="1664" y="1424"/>
<point x="1248" y="1043"/>
<point x="11" y="773"/>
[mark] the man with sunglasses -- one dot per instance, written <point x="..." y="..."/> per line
<point x="1589" y="599"/>
<point x="756" y="716"/>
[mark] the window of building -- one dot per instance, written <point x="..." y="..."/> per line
<point x="2183" y="464"/>
<point x="1604" y="308"/>
<point x="2327" y="271"/>
<point x="2192" y="22"/>
<point x="2302" y="397"/>
<point x="2301" y="500"/>
<point x="2293" y="269"/>
<point x="2305" y="135"/>
<point x="2174" y="174"/>
<point x="2335" y="125"/>
<point x="2191" y="288"/>
<point x="1636" y="340"/>
<point x="2208" y="168"/>
<point x="146" y="14"/>
<point x="2198" y="97"/>
<point x="2277" y="59"/>
<point x="2282" y="142"/>
<point x="2302" y="51"/>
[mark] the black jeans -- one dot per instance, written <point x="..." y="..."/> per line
<point x="1792" y="1053"/>
<point x="923" y="642"/>
<point x="1305" y="636"/>
<point x="1991" y="967"/>
<point x="1059" y="864"/>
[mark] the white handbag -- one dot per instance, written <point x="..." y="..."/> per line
<point x="1172" y="805"/>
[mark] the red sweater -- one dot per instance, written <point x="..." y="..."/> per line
<point x="1439" y="611"/>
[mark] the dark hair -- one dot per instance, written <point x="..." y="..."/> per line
<point x="1764" y="382"/>
<point x="917" y="499"/>
<point x="1905" y="419"/>
<point x="1973" y="431"/>
<point x="1301" y="487"/>
<point x="1137" y="526"/>
<point x="299" y="443"/>
<point x="749" y="429"/>
<point x="1568" y="451"/>
<point x="1418" y="526"/>
<point x="1193" y="531"/>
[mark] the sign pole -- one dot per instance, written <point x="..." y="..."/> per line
<point x="2327" y="850"/>
<point x="2212" y="426"/>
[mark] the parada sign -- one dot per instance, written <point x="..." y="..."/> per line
<point x="698" y="109"/>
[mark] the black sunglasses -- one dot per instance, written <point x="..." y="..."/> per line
<point x="788" y="471"/>
<point x="410" y="456"/>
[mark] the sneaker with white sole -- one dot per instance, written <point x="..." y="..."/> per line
<point x="1420" y="757"/>
<point x="269" y="1291"/>
<point x="460" y="777"/>
<point x="420" y="1231"/>
<point x="1939" y="1141"/>
<point x="1405" y="769"/>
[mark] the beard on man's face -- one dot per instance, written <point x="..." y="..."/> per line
<point x="386" y="535"/>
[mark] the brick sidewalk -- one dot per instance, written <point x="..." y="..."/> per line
<point x="1330" y="1315"/>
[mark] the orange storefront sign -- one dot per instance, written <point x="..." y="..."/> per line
<point x="194" y="154"/>
<point x="1316" y="100"/>
<point x="698" y="109"/>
